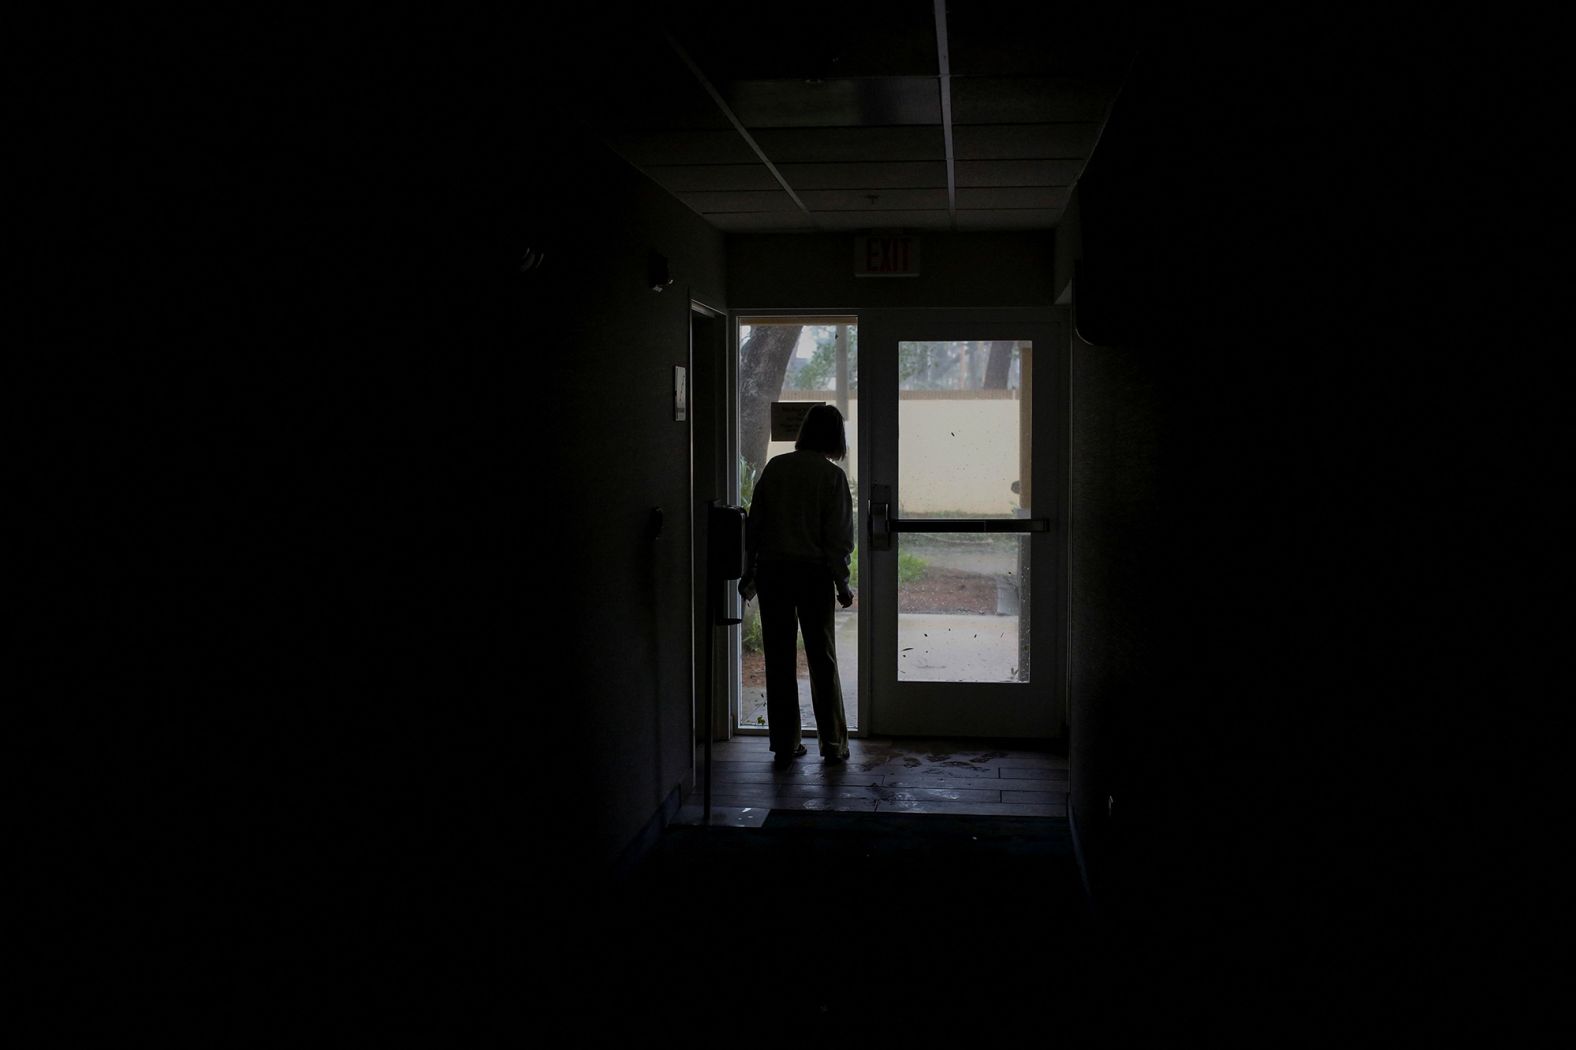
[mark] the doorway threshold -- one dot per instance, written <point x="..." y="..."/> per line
<point x="959" y="777"/>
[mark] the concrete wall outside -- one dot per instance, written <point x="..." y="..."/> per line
<point x="944" y="474"/>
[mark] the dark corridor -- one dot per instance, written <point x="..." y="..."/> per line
<point x="376" y="692"/>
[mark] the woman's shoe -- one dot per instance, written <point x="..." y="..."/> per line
<point x="785" y="760"/>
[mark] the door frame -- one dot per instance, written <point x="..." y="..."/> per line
<point x="1052" y="434"/>
<point x="735" y="318"/>
<point x="710" y="419"/>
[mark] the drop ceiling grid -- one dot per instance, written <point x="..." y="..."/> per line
<point x="837" y="170"/>
<point x="853" y="126"/>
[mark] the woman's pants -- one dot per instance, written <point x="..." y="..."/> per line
<point x="800" y="596"/>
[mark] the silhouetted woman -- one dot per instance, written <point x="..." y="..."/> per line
<point x="799" y="537"/>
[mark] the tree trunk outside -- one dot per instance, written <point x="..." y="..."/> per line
<point x="763" y="362"/>
<point x="999" y="365"/>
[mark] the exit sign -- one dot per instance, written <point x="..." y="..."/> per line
<point x="886" y="257"/>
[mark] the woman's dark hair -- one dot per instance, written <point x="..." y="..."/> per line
<point x="822" y="431"/>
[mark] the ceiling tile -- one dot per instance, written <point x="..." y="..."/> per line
<point x="846" y="144"/>
<point x="912" y="174"/>
<point x="886" y="200"/>
<point x="1013" y="219"/>
<point x="1018" y="172"/>
<point x="758" y="222"/>
<point x="836" y="103"/>
<point x="883" y="220"/>
<point x="763" y="200"/>
<point x="1013" y="197"/>
<point x="1025" y="141"/>
<point x="681" y="178"/>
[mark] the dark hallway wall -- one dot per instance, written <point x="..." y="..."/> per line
<point x="1113" y="463"/>
<point x="1265" y="422"/>
<point x="373" y="670"/>
<point x="619" y="626"/>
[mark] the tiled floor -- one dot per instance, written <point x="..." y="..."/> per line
<point x="882" y="776"/>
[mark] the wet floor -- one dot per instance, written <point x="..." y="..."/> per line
<point x="885" y="776"/>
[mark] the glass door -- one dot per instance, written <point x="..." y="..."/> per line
<point x="787" y="363"/>
<point x="960" y="523"/>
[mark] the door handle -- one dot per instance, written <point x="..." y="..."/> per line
<point x="881" y="517"/>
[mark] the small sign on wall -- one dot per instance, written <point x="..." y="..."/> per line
<point x="680" y="395"/>
<point x="788" y="417"/>
<point x="886" y="256"/>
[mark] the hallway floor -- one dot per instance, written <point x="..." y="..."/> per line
<point x="834" y="917"/>
<point x="923" y="888"/>
<point x="882" y="776"/>
<point x="926" y="892"/>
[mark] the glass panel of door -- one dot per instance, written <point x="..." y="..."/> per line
<point x="964" y="453"/>
<point x="791" y="363"/>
